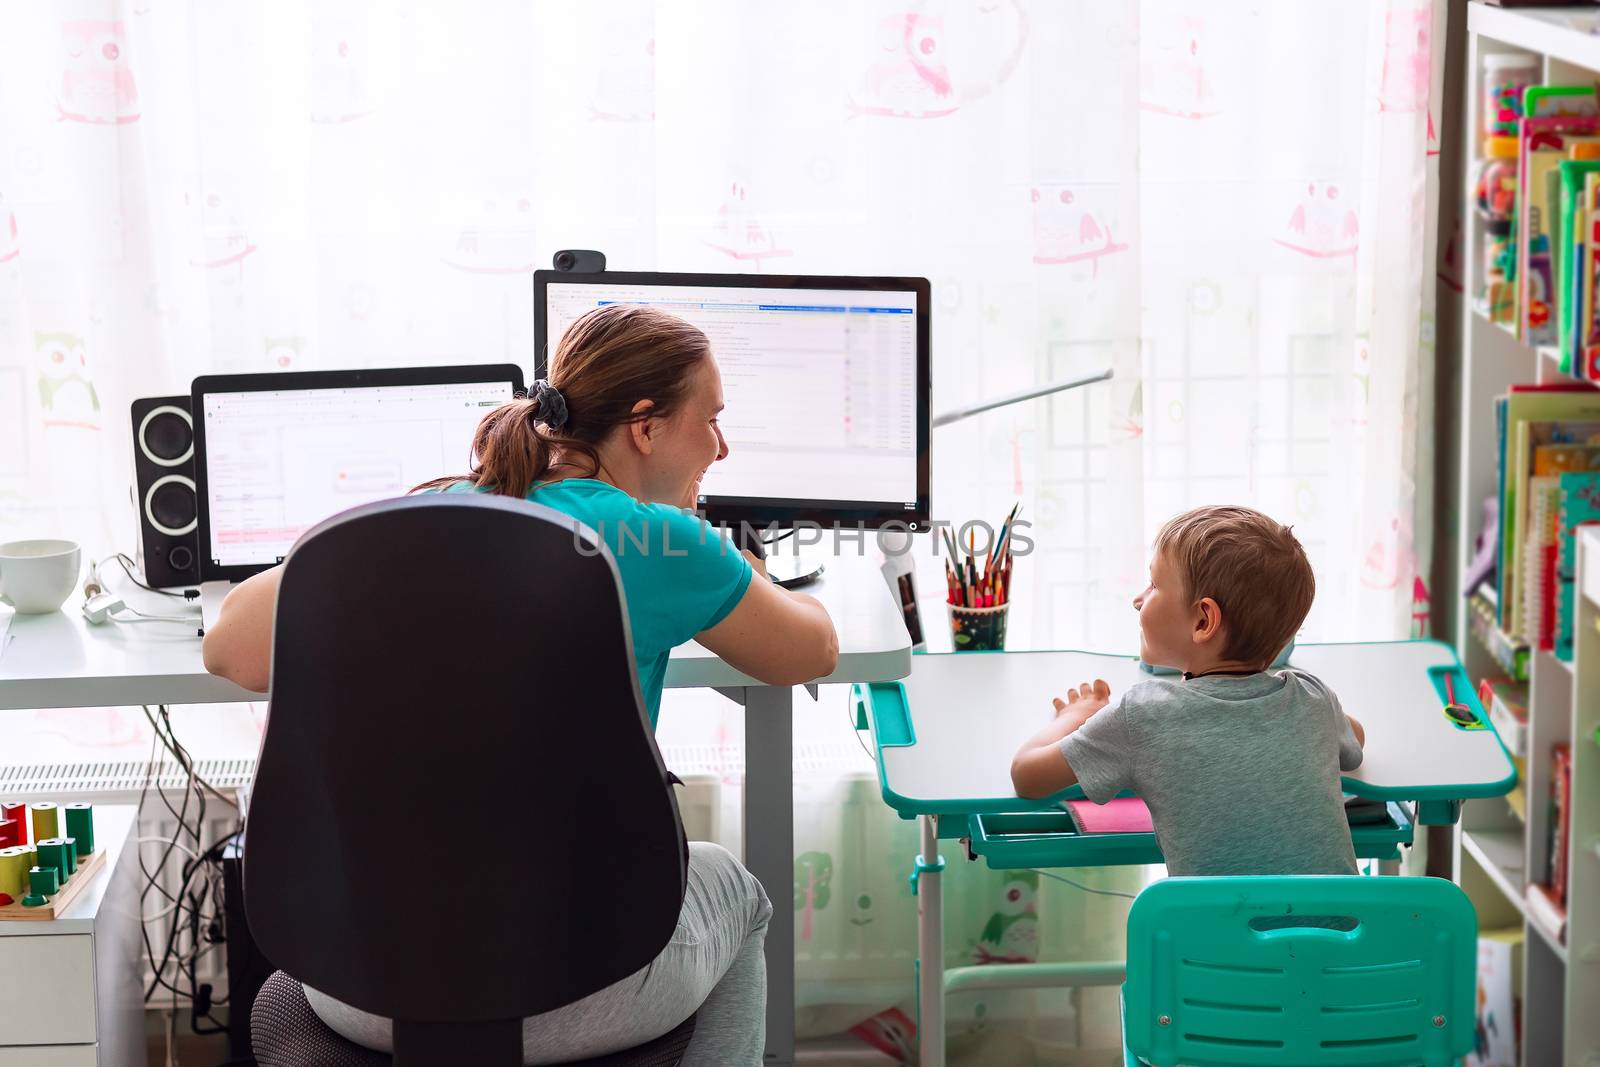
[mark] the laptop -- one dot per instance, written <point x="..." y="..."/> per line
<point x="275" y="454"/>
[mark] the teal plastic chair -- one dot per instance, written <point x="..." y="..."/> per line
<point x="1300" y="972"/>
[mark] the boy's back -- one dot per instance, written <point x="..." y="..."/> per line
<point x="1241" y="773"/>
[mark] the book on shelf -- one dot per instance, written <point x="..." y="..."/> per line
<point x="1540" y="447"/>
<point x="1580" y="506"/>
<point x="1486" y="593"/>
<point x="1485" y="550"/>
<point x="1572" y="236"/>
<point x="1544" y="142"/>
<point x="1553" y="387"/>
<point x="1512" y="657"/>
<point x="1546" y="913"/>
<point x="1586" y="338"/>
<point x="1507" y="703"/>
<point x="1560" y="821"/>
<point x="1539" y="434"/>
<point x="1536" y="622"/>
<point x="1499" y="1000"/>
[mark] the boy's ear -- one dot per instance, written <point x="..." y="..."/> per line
<point x="1208" y="620"/>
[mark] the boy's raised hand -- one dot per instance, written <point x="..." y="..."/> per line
<point x="1038" y="769"/>
<point x="1084" y="699"/>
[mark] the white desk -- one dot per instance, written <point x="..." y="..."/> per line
<point x="60" y="661"/>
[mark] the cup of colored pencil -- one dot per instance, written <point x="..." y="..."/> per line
<point x="979" y="589"/>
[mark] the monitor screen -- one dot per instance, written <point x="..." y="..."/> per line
<point x="825" y="381"/>
<point x="277" y="454"/>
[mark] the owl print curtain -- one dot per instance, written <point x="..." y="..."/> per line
<point x="1229" y="204"/>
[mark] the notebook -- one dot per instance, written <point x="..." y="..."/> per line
<point x="1129" y="815"/>
<point x="1123" y="815"/>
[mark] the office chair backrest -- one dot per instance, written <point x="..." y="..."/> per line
<point x="459" y="811"/>
<point x="1279" y="971"/>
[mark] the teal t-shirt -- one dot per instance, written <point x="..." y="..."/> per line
<point x="680" y="575"/>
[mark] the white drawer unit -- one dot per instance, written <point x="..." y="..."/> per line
<point x="51" y="1056"/>
<point x="72" y="994"/>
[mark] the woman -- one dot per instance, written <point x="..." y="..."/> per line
<point x="619" y="438"/>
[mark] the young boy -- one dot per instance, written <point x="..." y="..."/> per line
<point x="1239" y="764"/>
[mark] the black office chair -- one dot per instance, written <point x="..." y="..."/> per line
<point x="460" y="817"/>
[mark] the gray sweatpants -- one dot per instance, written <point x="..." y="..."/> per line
<point x="713" y="965"/>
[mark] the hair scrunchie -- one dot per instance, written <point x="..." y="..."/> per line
<point x="552" y="405"/>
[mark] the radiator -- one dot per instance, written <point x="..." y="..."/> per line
<point x="709" y="803"/>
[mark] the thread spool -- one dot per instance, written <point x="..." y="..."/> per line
<point x="52" y="856"/>
<point x="43" y="881"/>
<point x="80" y="827"/>
<point x="45" y="854"/>
<point x="18" y="810"/>
<point x="10" y="831"/>
<point x="45" y="823"/>
<point x="13" y="875"/>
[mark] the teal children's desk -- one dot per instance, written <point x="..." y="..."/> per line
<point x="944" y="738"/>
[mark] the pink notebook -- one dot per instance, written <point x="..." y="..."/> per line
<point x="1123" y="815"/>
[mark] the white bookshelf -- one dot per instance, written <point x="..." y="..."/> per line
<point x="1583" y="865"/>
<point x="1564" y="34"/>
<point x="1500" y="854"/>
<point x="1497" y="853"/>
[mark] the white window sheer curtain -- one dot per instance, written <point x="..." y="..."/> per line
<point x="1229" y="204"/>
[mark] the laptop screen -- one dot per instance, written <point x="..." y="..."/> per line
<point x="279" y="461"/>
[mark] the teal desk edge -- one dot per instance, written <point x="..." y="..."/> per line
<point x="884" y="709"/>
<point x="1049" y="839"/>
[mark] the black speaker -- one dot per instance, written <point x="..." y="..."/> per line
<point x="163" y="491"/>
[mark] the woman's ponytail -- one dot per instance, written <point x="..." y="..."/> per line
<point x="608" y="360"/>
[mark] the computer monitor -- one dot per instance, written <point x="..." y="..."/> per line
<point x="825" y="379"/>
<point x="275" y="454"/>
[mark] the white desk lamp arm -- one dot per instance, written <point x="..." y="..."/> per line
<point x="958" y="414"/>
<point x="897" y="542"/>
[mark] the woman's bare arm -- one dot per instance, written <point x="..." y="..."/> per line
<point x="776" y="636"/>
<point x="239" y="646"/>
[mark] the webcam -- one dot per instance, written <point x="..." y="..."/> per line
<point x="579" y="260"/>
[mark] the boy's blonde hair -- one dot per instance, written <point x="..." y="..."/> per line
<point x="1252" y="566"/>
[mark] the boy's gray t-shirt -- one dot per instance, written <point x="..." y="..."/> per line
<point x="1240" y="772"/>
